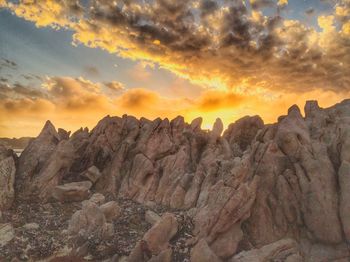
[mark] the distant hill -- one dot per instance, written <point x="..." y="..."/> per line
<point x="15" y="143"/>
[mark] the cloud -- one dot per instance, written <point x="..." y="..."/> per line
<point x="138" y="99"/>
<point x="228" y="46"/>
<point x="243" y="59"/>
<point x="75" y="102"/>
<point x="6" y="63"/>
<point x="282" y="2"/>
<point x="91" y="71"/>
<point x="257" y="4"/>
<point x="114" y="86"/>
<point x="310" y="11"/>
<point x="20" y="91"/>
<point x="214" y="100"/>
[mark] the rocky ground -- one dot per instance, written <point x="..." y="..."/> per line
<point x="139" y="190"/>
<point x="40" y="232"/>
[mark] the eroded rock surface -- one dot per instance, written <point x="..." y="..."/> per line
<point x="248" y="189"/>
<point x="7" y="177"/>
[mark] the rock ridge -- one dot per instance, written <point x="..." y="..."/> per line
<point x="254" y="191"/>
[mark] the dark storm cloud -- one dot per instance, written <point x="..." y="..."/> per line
<point x="258" y="4"/>
<point x="91" y="71"/>
<point x="208" y="7"/>
<point x="19" y="91"/>
<point x="310" y="11"/>
<point x="6" y="63"/>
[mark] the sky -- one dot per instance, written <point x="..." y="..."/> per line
<point x="74" y="62"/>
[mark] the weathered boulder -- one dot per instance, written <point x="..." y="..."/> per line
<point x="7" y="178"/>
<point x="93" y="174"/>
<point x="344" y="208"/>
<point x="154" y="245"/>
<point x="89" y="222"/>
<point x="163" y="256"/>
<point x="201" y="252"/>
<point x="52" y="172"/>
<point x="34" y="157"/>
<point x="111" y="210"/>
<point x="97" y="198"/>
<point x="282" y="250"/>
<point x="152" y="217"/>
<point x="72" y="192"/>
<point x="7" y="233"/>
<point x="158" y="237"/>
<point x="227" y="243"/>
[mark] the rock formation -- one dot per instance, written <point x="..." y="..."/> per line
<point x="7" y="177"/>
<point x="254" y="192"/>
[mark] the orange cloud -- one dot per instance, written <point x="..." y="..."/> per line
<point x="245" y="62"/>
<point x="240" y="50"/>
<point x="71" y="103"/>
<point x="213" y="100"/>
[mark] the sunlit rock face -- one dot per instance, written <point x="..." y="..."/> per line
<point x="251" y="186"/>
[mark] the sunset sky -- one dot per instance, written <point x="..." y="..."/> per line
<point x="74" y="62"/>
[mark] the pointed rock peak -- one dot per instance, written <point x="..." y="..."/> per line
<point x="294" y="111"/>
<point x="177" y="121"/>
<point x="48" y="128"/>
<point x="63" y="134"/>
<point x="310" y="108"/>
<point x="165" y="123"/>
<point x="196" y="123"/>
<point x="218" y="127"/>
<point x="49" y="124"/>
<point x="156" y="122"/>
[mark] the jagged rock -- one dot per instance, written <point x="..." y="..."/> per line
<point x="314" y="252"/>
<point x="218" y="127"/>
<point x="164" y="256"/>
<point x="158" y="237"/>
<point x="93" y="174"/>
<point x="72" y="192"/>
<point x="90" y="222"/>
<point x="7" y="178"/>
<point x="52" y="171"/>
<point x="226" y="206"/>
<point x="63" y="134"/>
<point x="111" y="210"/>
<point x="152" y="217"/>
<point x="241" y="133"/>
<point x="140" y="253"/>
<point x="227" y="243"/>
<point x="35" y="155"/>
<point x="31" y="226"/>
<point x="344" y="208"/>
<point x="282" y="250"/>
<point x="196" y="124"/>
<point x="202" y="253"/>
<point x="7" y="233"/>
<point x="97" y="198"/>
<point x="271" y="182"/>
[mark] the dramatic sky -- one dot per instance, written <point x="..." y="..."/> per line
<point x="74" y="62"/>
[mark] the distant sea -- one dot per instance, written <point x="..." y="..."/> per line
<point x="18" y="151"/>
